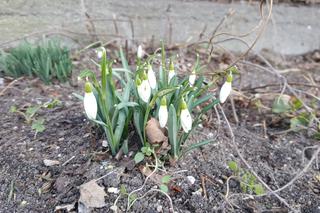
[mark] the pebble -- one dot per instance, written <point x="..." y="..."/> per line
<point x="48" y="162"/>
<point x="113" y="190"/>
<point x="316" y="191"/>
<point x="159" y="208"/>
<point x="210" y="135"/>
<point x="23" y="203"/>
<point x="191" y="179"/>
<point x="198" y="192"/>
<point x="104" y="143"/>
<point x="114" y="208"/>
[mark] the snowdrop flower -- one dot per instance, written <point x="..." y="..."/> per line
<point x="140" y="52"/>
<point x="185" y="117"/>
<point x="163" y="112"/>
<point x="144" y="89"/>
<point x="225" y="89"/>
<point x="89" y="102"/>
<point x="192" y="78"/>
<point x="171" y="72"/>
<point x="152" y="77"/>
<point x="100" y="52"/>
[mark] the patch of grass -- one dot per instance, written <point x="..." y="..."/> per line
<point x="30" y="114"/>
<point x="47" y="60"/>
<point x="248" y="182"/>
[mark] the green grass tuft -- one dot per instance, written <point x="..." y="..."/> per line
<point x="47" y="60"/>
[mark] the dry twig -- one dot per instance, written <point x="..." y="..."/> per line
<point x="10" y="85"/>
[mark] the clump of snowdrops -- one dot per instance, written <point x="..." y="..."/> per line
<point x="126" y="99"/>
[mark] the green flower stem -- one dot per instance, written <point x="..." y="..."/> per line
<point x="108" y="124"/>
<point x="107" y="85"/>
<point x="104" y="73"/>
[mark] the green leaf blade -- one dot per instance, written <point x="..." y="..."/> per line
<point x="138" y="157"/>
<point x="172" y="130"/>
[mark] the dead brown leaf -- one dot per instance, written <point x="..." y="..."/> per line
<point x="92" y="195"/>
<point x="154" y="132"/>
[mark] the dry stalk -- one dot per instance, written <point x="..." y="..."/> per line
<point x="10" y="85"/>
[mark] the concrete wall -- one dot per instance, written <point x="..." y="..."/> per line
<point x="292" y="30"/>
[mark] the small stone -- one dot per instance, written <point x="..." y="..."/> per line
<point x="316" y="190"/>
<point x="104" y="143"/>
<point x="23" y="203"/>
<point x="61" y="183"/>
<point x="113" y="190"/>
<point x="308" y="153"/>
<point x="159" y="208"/>
<point x="67" y="207"/>
<point x="110" y="167"/>
<point x="316" y="56"/>
<point x="210" y="135"/>
<point x="114" y="208"/>
<point x="198" y="192"/>
<point x="48" y="162"/>
<point x="191" y="179"/>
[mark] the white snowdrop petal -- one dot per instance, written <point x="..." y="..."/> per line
<point x="90" y="105"/>
<point x="100" y="51"/>
<point x="140" y="52"/>
<point x="99" y="54"/>
<point x="171" y="75"/>
<point x="186" y="120"/>
<point x="225" y="91"/>
<point x="192" y="79"/>
<point x="144" y="91"/>
<point x="152" y="78"/>
<point x="163" y="116"/>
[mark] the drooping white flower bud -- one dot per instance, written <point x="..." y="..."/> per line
<point x="185" y="117"/>
<point x="90" y="102"/>
<point x="192" y="78"/>
<point x="226" y="89"/>
<point x="100" y="52"/>
<point x="140" y="52"/>
<point x="163" y="112"/>
<point x="171" y="71"/>
<point x="152" y="77"/>
<point x="144" y="89"/>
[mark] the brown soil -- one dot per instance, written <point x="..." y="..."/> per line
<point x="34" y="187"/>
